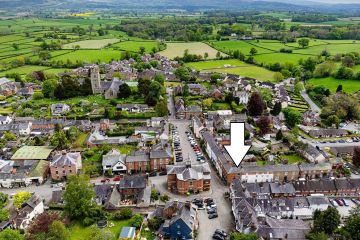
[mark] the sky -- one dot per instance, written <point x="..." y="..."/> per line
<point x="335" y="1"/>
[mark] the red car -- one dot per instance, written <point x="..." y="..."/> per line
<point x="117" y="178"/>
<point x="339" y="202"/>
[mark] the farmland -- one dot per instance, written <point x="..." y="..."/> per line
<point x="134" y="46"/>
<point x="91" y="44"/>
<point x="349" y="86"/>
<point x="177" y="49"/>
<point x="88" y="56"/>
<point x="234" y="67"/>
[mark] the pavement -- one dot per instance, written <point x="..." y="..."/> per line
<point x="312" y="105"/>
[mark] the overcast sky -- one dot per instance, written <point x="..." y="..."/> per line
<point x="337" y="1"/>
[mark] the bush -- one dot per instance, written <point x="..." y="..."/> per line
<point x="164" y="198"/>
<point x="38" y="95"/>
<point x="87" y="221"/>
<point x="154" y="194"/>
<point x="136" y="220"/>
<point x="155" y="223"/>
<point x="124" y="213"/>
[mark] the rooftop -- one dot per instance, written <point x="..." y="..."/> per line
<point x="32" y="153"/>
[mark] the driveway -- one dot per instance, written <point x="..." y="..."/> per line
<point x="312" y="105"/>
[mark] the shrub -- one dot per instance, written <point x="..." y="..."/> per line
<point x="124" y="213"/>
<point x="164" y="198"/>
<point x="87" y="221"/>
<point x="136" y="220"/>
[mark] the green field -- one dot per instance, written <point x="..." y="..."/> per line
<point x="88" y="56"/>
<point x="349" y="86"/>
<point x="242" y="46"/>
<point x="177" y="49"/>
<point x="134" y="46"/>
<point x="237" y="67"/>
<point x="279" y="57"/>
<point x="91" y="44"/>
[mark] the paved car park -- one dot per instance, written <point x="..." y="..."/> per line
<point x="340" y="205"/>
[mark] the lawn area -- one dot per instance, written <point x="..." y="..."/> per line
<point x="242" y="46"/>
<point x="279" y="57"/>
<point x="91" y="44"/>
<point x="177" y="49"/>
<point x="78" y="232"/>
<point x="252" y="71"/>
<point x="349" y="86"/>
<point x="23" y="70"/>
<point x="237" y="67"/>
<point x="332" y="48"/>
<point x="134" y="46"/>
<point x="80" y="140"/>
<point x="215" y="64"/>
<point x="126" y="149"/>
<point x="89" y="56"/>
<point x="292" y="158"/>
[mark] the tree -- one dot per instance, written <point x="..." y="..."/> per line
<point x="38" y="95"/>
<point x="278" y="76"/>
<point x="292" y="117"/>
<point x="333" y="120"/>
<point x="339" y="88"/>
<point x="317" y="236"/>
<point x="160" y="78"/>
<point x="154" y="194"/>
<point x="206" y="55"/>
<point x="279" y="135"/>
<point x="185" y="90"/>
<point x="124" y="91"/>
<point x="253" y="51"/>
<point x="303" y="42"/>
<point x="298" y="87"/>
<point x="214" y="77"/>
<point x="58" y="231"/>
<point x="123" y="213"/>
<point x="136" y="220"/>
<point x="182" y="73"/>
<point x="4" y="214"/>
<point x="9" y="234"/>
<point x="352" y="224"/>
<point x="144" y="86"/>
<point x="327" y="221"/>
<point x="20" y="198"/>
<point x="99" y="234"/>
<point x="218" y="54"/>
<point x="42" y="223"/>
<point x="59" y="140"/>
<point x="161" y="108"/>
<point x="15" y="46"/>
<point x="142" y="50"/>
<point x="155" y="223"/>
<point x="356" y="157"/>
<point x="256" y="105"/>
<point x="243" y="236"/>
<point x="48" y="87"/>
<point x="78" y="197"/>
<point x="264" y="124"/>
<point x="348" y="61"/>
<point x="276" y="109"/>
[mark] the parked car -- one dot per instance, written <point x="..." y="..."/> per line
<point x="221" y="232"/>
<point x="346" y="203"/>
<point x="339" y="202"/>
<point x="152" y="174"/>
<point x="218" y="237"/>
<point x="117" y="178"/>
<point x="214" y="215"/>
<point x="211" y="211"/>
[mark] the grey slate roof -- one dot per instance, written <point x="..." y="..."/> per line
<point x="132" y="181"/>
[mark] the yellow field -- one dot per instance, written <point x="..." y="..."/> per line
<point x="177" y="49"/>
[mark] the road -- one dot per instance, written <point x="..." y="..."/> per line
<point x="312" y="105"/>
<point x="170" y="103"/>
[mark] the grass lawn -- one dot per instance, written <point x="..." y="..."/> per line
<point x="80" y="140"/>
<point x="332" y="48"/>
<point x="89" y="56"/>
<point x="349" y="86"/>
<point x="78" y="232"/>
<point x="242" y="46"/>
<point x="252" y="71"/>
<point x="237" y="67"/>
<point x="91" y="44"/>
<point x="126" y="149"/>
<point x="23" y="70"/>
<point x="279" y="57"/>
<point x="134" y="46"/>
<point x="215" y="64"/>
<point x="177" y="49"/>
<point x="292" y="158"/>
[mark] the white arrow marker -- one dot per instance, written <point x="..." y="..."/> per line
<point x="237" y="149"/>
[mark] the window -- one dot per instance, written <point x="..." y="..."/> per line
<point x="70" y="171"/>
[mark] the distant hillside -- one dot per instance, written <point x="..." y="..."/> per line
<point x="141" y="5"/>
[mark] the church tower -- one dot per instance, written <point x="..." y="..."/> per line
<point x="95" y="80"/>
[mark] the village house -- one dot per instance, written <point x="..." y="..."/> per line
<point x="24" y="216"/>
<point x="312" y="154"/>
<point x="319" y="186"/>
<point x="138" y="162"/>
<point x="5" y="120"/>
<point x="270" y="173"/>
<point x="64" y="164"/>
<point x="188" y="178"/>
<point x="312" y="170"/>
<point x="132" y="107"/>
<point x="180" y="220"/>
<point x="328" y="133"/>
<point x="132" y="187"/>
<point x="243" y="97"/>
<point x="114" y="161"/>
<point x="159" y="158"/>
<point x="7" y="87"/>
<point x="58" y="109"/>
